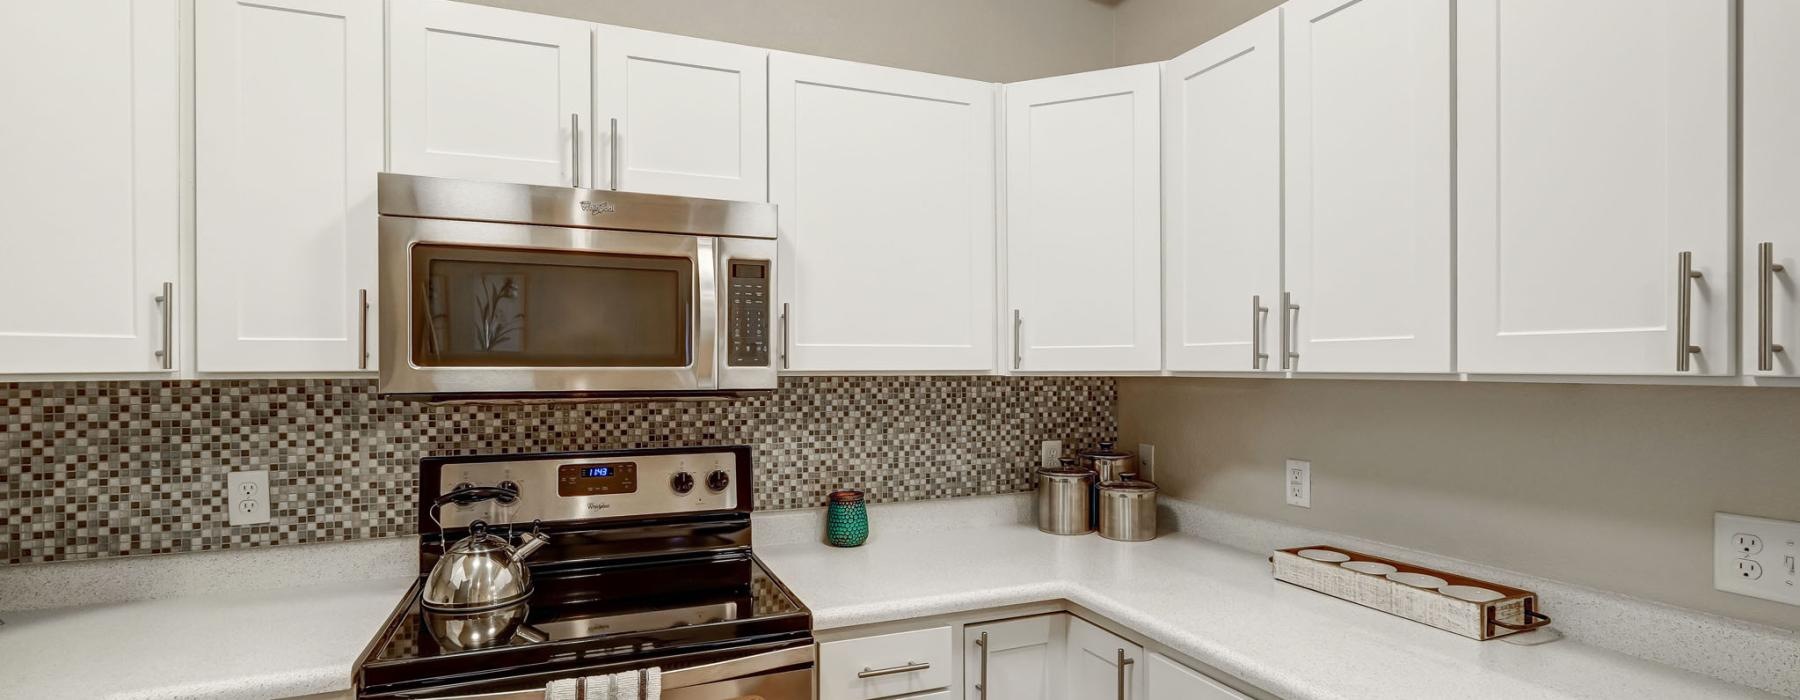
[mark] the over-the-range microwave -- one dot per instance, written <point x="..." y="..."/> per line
<point x="504" y="292"/>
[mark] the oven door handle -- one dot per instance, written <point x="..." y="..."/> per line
<point x="689" y="676"/>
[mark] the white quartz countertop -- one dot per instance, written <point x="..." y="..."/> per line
<point x="1218" y="605"/>
<point x="260" y="644"/>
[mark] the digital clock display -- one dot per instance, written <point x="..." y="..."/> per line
<point x="597" y="472"/>
<point x="574" y="480"/>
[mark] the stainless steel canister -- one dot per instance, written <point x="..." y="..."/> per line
<point x="1110" y="463"/>
<point x="1128" y="510"/>
<point x="1064" y="505"/>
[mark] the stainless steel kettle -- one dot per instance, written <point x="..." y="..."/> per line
<point x="482" y="571"/>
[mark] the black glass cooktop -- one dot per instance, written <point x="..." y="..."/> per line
<point x="588" y="619"/>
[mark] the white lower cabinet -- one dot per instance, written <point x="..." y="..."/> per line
<point x="1102" y="665"/>
<point x="883" y="666"/>
<point x="1168" y="680"/>
<point x="1016" y="659"/>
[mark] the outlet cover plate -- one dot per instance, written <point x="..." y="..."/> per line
<point x="1050" y="454"/>
<point x="248" y="498"/>
<point x="1756" y="557"/>
<point x="1297" y="482"/>
<point x="1146" y="461"/>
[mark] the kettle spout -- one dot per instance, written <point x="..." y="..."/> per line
<point x="532" y="543"/>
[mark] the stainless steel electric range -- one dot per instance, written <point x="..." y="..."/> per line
<point x="646" y="562"/>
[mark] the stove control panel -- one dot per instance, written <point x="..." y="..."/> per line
<point x="553" y="489"/>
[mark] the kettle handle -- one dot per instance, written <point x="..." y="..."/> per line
<point x="464" y="495"/>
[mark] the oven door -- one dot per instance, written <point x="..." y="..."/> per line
<point x="472" y="309"/>
<point x="787" y="674"/>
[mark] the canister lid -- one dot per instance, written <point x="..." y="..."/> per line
<point x="1128" y="486"/>
<point x="1066" y="469"/>
<point x="1106" y="450"/>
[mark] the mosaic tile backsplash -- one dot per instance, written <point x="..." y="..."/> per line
<point x="97" y="469"/>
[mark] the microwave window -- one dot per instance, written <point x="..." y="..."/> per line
<point x="498" y="307"/>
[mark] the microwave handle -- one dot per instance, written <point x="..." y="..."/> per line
<point x="690" y="676"/>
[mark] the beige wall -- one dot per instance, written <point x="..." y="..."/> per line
<point x="994" y="40"/>
<point x="1158" y="30"/>
<point x="1612" y="487"/>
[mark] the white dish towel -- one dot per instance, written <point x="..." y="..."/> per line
<point x="645" y="684"/>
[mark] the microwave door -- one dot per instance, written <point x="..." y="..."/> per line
<point x="474" y="307"/>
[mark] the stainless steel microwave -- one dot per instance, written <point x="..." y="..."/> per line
<point x="496" y="292"/>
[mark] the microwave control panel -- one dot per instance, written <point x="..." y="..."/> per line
<point x="747" y="335"/>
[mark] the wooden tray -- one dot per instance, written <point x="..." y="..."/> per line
<point x="1515" y="611"/>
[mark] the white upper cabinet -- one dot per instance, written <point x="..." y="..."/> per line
<point x="1093" y="666"/>
<point x="1771" y="187"/>
<point x="288" y="126"/>
<point x="90" y="230"/>
<point x="690" y="115"/>
<point x="885" y="183"/>
<point x="488" y="94"/>
<point x="1084" y="221"/>
<point x="1369" y="238"/>
<point x="1022" y="659"/>
<point x="1594" y="156"/>
<point x="1222" y="200"/>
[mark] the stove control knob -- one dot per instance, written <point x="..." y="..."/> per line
<point x="718" y="480"/>
<point x="682" y="482"/>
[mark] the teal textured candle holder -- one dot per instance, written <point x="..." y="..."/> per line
<point x="846" y="519"/>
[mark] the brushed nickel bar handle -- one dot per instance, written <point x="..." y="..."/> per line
<point x="1290" y="325"/>
<point x="909" y="667"/>
<point x="574" y="150"/>
<point x="1258" y="358"/>
<point x="784" y="335"/>
<point x="612" y="154"/>
<point x="1018" y="352"/>
<point x="1685" y="275"/>
<point x="983" y="685"/>
<point x="167" y="299"/>
<point x="1765" y="307"/>
<point x="1123" y="663"/>
<point x="362" y="298"/>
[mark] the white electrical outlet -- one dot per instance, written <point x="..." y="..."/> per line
<point x="1298" y="483"/>
<point x="1146" y="461"/>
<point x="1756" y="557"/>
<point x="249" y="497"/>
<point x="1050" y="454"/>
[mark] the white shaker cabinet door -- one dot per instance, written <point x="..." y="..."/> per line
<point x="1168" y="680"/>
<point x="1771" y="187"/>
<point x="1369" y="239"/>
<point x="89" y="234"/>
<point x="1594" y="158"/>
<point x="488" y="94"/>
<point x="884" y="179"/>
<point x="1019" y="659"/>
<point x="1092" y="662"/>
<point x="680" y="116"/>
<point x="1084" y="221"/>
<point x="1222" y="200"/>
<point x="288" y="125"/>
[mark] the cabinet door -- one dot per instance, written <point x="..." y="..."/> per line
<point x="1771" y="187"/>
<point x="90" y="229"/>
<point x="1222" y="199"/>
<point x="1020" y="659"/>
<point x="488" y="94"/>
<point x="885" y="183"/>
<point x="1593" y="154"/>
<point x="1368" y="192"/>
<point x="288" y="128"/>
<point x="1084" y="221"/>
<point x="691" y="115"/>
<point x="1168" y="680"/>
<point x="1093" y="664"/>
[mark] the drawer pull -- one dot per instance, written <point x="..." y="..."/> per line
<point x="908" y="667"/>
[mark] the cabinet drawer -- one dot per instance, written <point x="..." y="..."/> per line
<point x="928" y="650"/>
